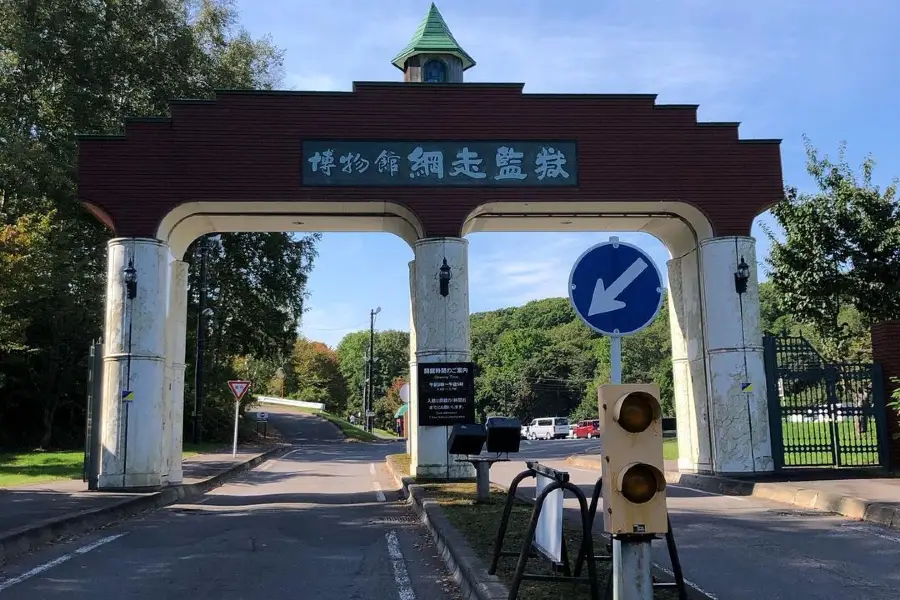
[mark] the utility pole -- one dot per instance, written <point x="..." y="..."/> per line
<point x="365" y="390"/>
<point x="201" y="335"/>
<point x="371" y="363"/>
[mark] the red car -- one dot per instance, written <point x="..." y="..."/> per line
<point x="586" y="429"/>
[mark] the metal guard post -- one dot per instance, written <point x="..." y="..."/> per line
<point x="504" y="521"/>
<point x="592" y="512"/>
<point x="560" y="481"/>
<point x="538" y="468"/>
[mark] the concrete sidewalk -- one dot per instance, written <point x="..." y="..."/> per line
<point x="876" y="500"/>
<point x="36" y="514"/>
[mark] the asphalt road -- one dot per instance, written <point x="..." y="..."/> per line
<point x="742" y="548"/>
<point x="316" y="523"/>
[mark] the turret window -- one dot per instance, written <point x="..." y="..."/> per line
<point x="435" y="71"/>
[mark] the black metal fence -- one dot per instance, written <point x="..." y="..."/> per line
<point x="823" y="414"/>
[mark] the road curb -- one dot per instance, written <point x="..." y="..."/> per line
<point x="31" y="537"/>
<point x="787" y="493"/>
<point x="466" y="567"/>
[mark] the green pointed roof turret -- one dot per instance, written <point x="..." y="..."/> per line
<point x="433" y="37"/>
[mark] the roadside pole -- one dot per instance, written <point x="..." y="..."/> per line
<point x="238" y="389"/>
<point x="632" y="579"/>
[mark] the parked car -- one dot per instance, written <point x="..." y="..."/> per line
<point x="587" y="429"/>
<point x="547" y="428"/>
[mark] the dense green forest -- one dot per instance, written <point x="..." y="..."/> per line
<point x="541" y="359"/>
<point x="534" y="360"/>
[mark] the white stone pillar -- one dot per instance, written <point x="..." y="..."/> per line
<point x="411" y="419"/>
<point x="132" y="439"/>
<point x="736" y="377"/>
<point x="176" y="330"/>
<point x="689" y="365"/>
<point x="439" y="333"/>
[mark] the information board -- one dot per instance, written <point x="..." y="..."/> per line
<point x="446" y="393"/>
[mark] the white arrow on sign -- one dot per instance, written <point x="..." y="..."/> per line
<point x="604" y="299"/>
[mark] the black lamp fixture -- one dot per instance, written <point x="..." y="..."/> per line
<point x="130" y="276"/>
<point x="445" y="277"/>
<point x="741" y="277"/>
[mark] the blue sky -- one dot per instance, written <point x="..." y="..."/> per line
<point x="825" y="68"/>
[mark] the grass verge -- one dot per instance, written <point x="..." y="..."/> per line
<point x="351" y="431"/>
<point x="400" y="462"/>
<point x="670" y="449"/>
<point x="27" y="468"/>
<point x="479" y="523"/>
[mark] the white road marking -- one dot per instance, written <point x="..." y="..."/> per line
<point x="401" y="576"/>
<point x="372" y="468"/>
<point x="871" y="531"/>
<point x="690" y="489"/>
<point x="8" y="583"/>
<point x="272" y="462"/>
<point x="378" y="492"/>
<point x="689" y="582"/>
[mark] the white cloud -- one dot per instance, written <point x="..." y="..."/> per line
<point x="512" y="269"/>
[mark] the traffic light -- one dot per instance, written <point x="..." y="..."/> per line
<point x="634" y="487"/>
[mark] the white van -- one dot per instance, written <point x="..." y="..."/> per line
<point x="548" y="428"/>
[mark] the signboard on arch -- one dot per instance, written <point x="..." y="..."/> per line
<point x="503" y="163"/>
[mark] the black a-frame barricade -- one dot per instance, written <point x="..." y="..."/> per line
<point x="563" y="571"/>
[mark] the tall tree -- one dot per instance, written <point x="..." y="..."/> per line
<point x="386" y="407"/>
<point x="315" y="376"/>
<point x="391" y="361"/>
<point x="82" y="66"/>
<point x="841" y="248"/>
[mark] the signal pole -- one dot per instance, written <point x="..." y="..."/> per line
<point x="370" y="381"/>
<point x="632" y="560"/>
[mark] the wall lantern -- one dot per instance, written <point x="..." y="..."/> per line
<point x="445" y="277"/>
<point x="741" y="277"/>
<point x="130" y="276"/>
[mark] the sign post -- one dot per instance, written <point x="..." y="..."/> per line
<point x="617" y="290"/>
<point x="262" y="417"/>
<point x="238" y="388"/>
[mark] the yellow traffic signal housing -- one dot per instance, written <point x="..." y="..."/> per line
<point x="634" y="486"/>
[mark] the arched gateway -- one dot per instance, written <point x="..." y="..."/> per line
<point x="432" y="159"/>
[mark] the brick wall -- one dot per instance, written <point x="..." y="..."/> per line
<point x="886" y="352"/>
<point x="247" y="147"/>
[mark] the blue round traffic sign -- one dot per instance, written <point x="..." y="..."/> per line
<point x="615" y="288"/>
